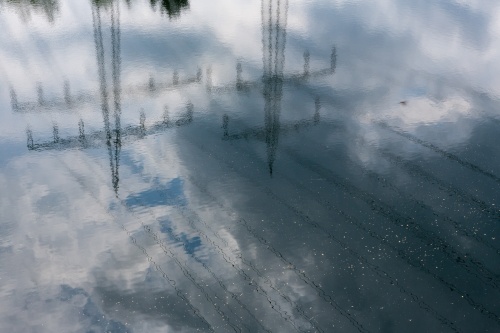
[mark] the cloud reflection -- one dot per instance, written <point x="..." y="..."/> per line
<point x="132" y="216"/>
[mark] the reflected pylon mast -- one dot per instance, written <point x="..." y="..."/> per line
<point x="116" y="65"/>
<point x="274" y="23"/>
<point x="274" y="20"/>
<point x="113" y="136"/>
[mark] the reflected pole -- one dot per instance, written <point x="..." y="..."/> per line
<point x="274" y="21"/>
<point x="113" y="143"/>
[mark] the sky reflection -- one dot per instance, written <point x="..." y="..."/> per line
<point x="249" y="166"/>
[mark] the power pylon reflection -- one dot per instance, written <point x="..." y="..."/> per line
<point x="274" y="21"/>
<point x="113" y="135"/>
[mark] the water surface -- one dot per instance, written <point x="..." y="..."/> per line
<point x="249" y="166"/>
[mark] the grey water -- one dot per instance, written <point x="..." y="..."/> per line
<point x="249" y="166"/>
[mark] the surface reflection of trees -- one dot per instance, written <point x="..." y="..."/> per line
<point x="49" y="8"/>
<point x="171" y="7"/>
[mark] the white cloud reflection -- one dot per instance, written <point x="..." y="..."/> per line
<point x="69" y="262"/>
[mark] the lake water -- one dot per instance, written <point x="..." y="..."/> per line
<point x="249" y="166"/>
